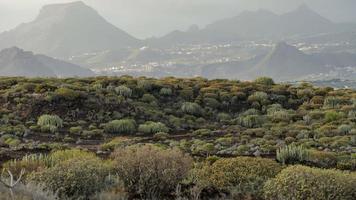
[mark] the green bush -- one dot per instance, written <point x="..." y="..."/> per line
<point x="67" y="93"/>
<point x="242" y="174"/>
<point x="152" y="128"/>
<point x="202" y="132"/>
<point x="299" y="182"/>
<point x="150" y="172"/>
<point x="59" y="156"/>
<point x="292" y="154"/>
<point x="123" y="126"/>
<point x="50" y="123"/>
<point x="161" y="135"/>
<point x="223" y="117"/>
<point x="77" y="130"/>
<point x="29" y="163"/>
<point x="191" y="108"/>
<point x="123" y="91"/>
<point x="332" y="102"/>
<point x="322" y="159"/>
<point x="251" y="121"/>
<point x="264" y="81"/>
<point x="166" y="92"/>
<point x="260" y="97"/>
<point x="345" y="128"/>
<point x="76" y="178"/>
<point x="148" y="98"/>
<point x="333" y="116"/>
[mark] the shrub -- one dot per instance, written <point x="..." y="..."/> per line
<point x="145" y="84"/>
<point x="223" y="117"/>
<point x="77" y="130"/>
<point x="29" y="163"/>
<point x="211" y="103"/>
<point x="50" y="123"/>
<point x="76" y="178"/>
<point x="203" y="133"/>
<point x="345" y="129"/>
<point x="264" y="81"/>
<point x="251" y="121"/>
<point x="299" y="182"/>
<point x="260" y="97"/>
<point x="67" y="93"/>
<point x="57" y="157"/>
<point x="322" y="159"/>
<point x="123" y="91"/>
<point x="332" y="102"/>
<point x="123" y="126"/>
<point x="191" y="108"/>
<point x="242" y="174"/>
<point x="347" y="163"/>
<point x="149" y="171"/>
<point x="292" y="154"/>
<point x="28" y="191"/>
<point x="161" y="136"/>
<point x="152" y="128"/>
<point x="166" y="92"/>
<point x="332" y="116"/>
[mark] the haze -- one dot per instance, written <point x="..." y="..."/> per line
<point x="147" y="18"/>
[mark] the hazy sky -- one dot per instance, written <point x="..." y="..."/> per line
<point x="145" y="18"/>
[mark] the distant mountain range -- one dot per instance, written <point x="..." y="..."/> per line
<point x="63" y="30"/>
<point x="76" y="33"/>
<point x="17" y="62"/>
<point x="284" y="63"/>
<point x="257" y="25"/>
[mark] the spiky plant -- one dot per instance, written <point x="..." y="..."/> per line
<point x="292" y="154"/>
<point x="123" y="126"/>
<point x="123" y="91"/>
<point x="50" y="123"/>
<point x="152" y="128"/>
<point x="191" y="108"/>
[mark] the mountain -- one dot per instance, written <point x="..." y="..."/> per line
<point x="17" y="62"/>
<point x="63" y="30"/>
<point x="286" y="62"/>
<point x="256" y="25"/>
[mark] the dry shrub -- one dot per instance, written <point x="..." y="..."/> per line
<point x="151" y="172"/>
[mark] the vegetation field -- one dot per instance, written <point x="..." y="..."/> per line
<point x="171" y="138"/>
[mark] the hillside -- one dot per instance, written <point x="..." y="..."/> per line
<point x="63" y="30"/>
<point x="75" y="129"/>
<point x="286" y="62"/>
<point x="17" y="62"/>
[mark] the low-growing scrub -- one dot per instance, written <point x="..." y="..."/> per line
<point x="152" y="128"/>
<point x="241" y="177"/>
<point x="299" y="182"/>
<point x="123" y="126"/>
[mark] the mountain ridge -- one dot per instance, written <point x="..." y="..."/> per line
<point x="63" y="30"/>
<point x="257" y="25"/>
<point x="18" y="62"/>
